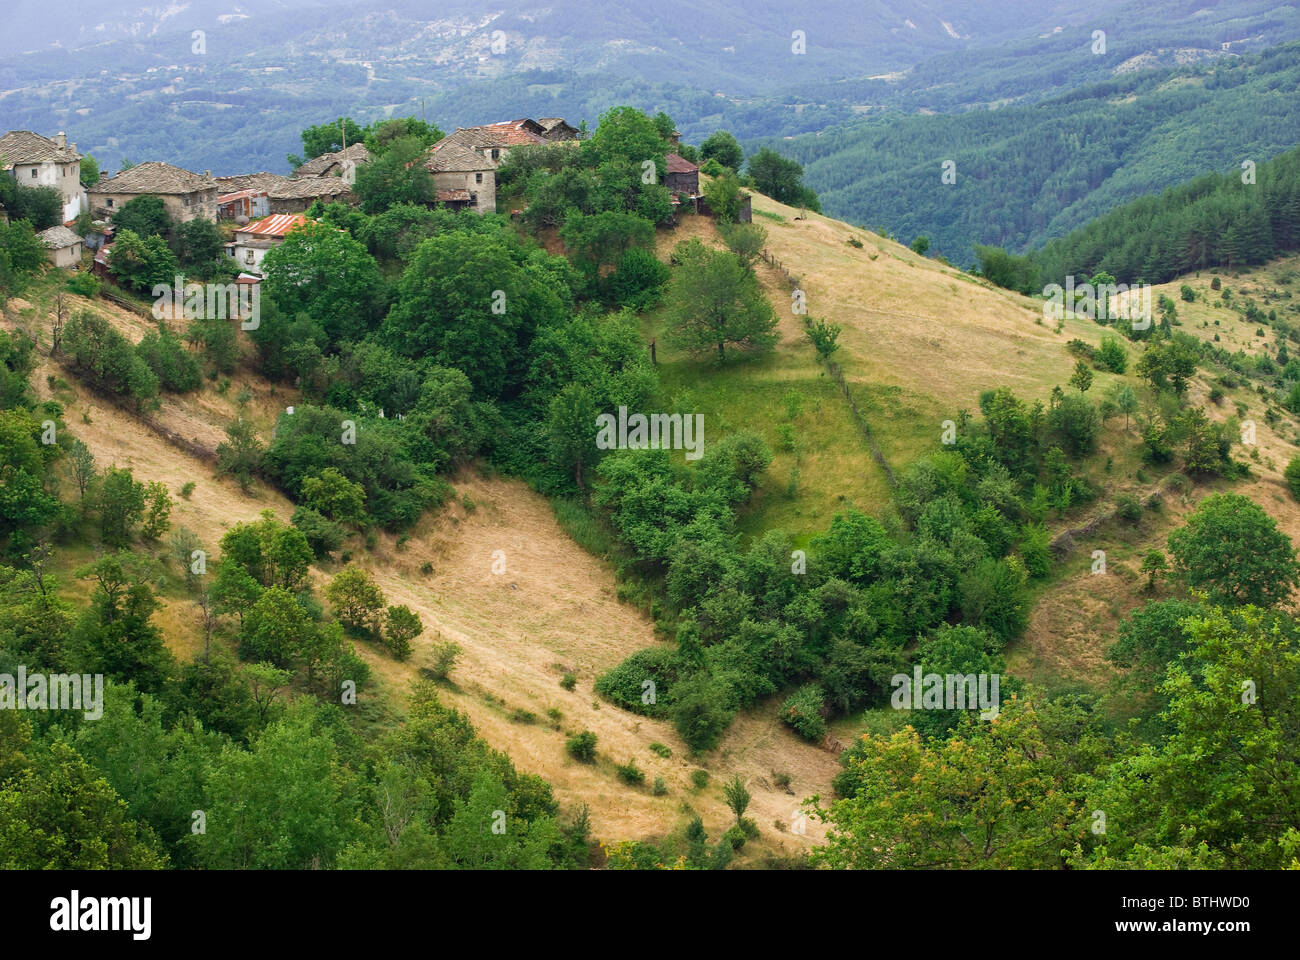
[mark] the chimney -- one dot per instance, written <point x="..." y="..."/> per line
<point x="61" y="140"/>
<point x="73" y="148"/>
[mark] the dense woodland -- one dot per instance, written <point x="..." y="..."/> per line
<point x="1026" y="174"/>
<point x="447" y="339"/>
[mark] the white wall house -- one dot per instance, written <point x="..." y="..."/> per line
<point x="36" y="161"/>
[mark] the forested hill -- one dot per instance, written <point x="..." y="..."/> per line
<point x="1232" y="219"/>
<point x="1027" y="174"/>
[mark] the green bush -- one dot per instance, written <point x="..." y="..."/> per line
<point x="1128" y="508"/>
<point x="1292" y="474"/>
<point x="661" y="750"/>
<point x="630" y="774"/>
<point x="582" y="747"/>
<point x="700" y="779"/>
<point x="803" y="710"/>
<point x="568" y="681"/>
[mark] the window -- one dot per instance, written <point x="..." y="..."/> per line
<point x="108" y="201"/>
<point x="33" y="173"/>
<point x="248" y="256"/>
<point x="496" y="154"/>
<point x="478" y="178"/>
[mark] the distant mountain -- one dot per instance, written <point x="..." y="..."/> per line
<point x="1025" y="174"/>
<point x="132" y="80"/>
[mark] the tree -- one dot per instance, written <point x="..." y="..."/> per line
<point x="158" y="511"/>
<point x="603" y="238"/>
<point x="921" y="245"/>
<point x="722" y="146"/>
<point x="83" y="465"/>
<point x="824" y="337"/>
<point x="276" y="629"/>
<point x="1081" y="379"/>
<point x="722" y="194"/>
<point x="571" y="431"/>
<point x="1232" y="549"/>
<point x="356" y="598"/>
<point x="335" y="496"/>
<point x="1127" y="402"/>
<point x="241" y="454"/>
<point x="200" y="245"/>
<point x="89" y="174"/>
<point x="1292" y="476"/>
<point x="714" y="301"/>
<point x="145" y="216"/>
<point x="1018" y="802"/>
<point x="396" y="177"/>
<point x="140" y="263"/>
<point x="327" y="138"/>
<point x="323" y="272"/>
<point x="737" y="797"/>
<point x="401" y="626"/>
<point x="1154" y="565"/>
<point x="58" y="813"/>
<point x="746" y="240"/>
<point x="280" y="804"/>
<point x="1169" y="364"/>
<point x="121" y="503"/>
<point x="1218" y="790"/>
<point x="780" y="179"/>
<point x="234" y="590"/>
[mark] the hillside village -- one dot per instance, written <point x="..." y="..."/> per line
<point x="259" y="209"/>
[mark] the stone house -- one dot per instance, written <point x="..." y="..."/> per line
<point x="462" y="178"/>
<point x="185" y="195"/>
<point x="341" y="163"/>
<point x="36" y="161"/>
<point x="297" y="194"/>
<point x="63" y="246"/>
<point x="248" y="204"/>
<point x="555" y="128"/>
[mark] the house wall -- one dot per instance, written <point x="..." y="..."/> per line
<point x="67" y="257"/>
<point x="486" y="190"/>
<point x="64" y="177"/>
<point x="198" y="205"/>
<point x="688" y="183"/>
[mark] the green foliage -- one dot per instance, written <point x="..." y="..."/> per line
<point x="723" y="147"/>
<point x="1232" y="550"/>
<point x="781" y="179"/>
<point x="803" y="712"/>
<point x="713" y="301"/>
<point x="582" y="747"/>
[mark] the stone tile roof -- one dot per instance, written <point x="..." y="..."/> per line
<point x="60" y="237"/>
<point x="250" y="181"/>
<point x="309" y="187"/>
<point x="450" y="156"/>
<point x="155" y="177"/>
<point x="23" y="146"/>
<point x="316" y="166"/>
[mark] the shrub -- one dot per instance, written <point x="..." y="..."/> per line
<point x="568" y="681"/>
<point x="1187" y="293"/>
<point x="1128" y="508"/>
<point x="444" y="659"/>
<point x="84" y="284"/>
<point x="1292" y="474"/>
<point x="734" y="837"/>
<point x="187" y="489"/>
<point x="700" y="779"/>
<point x="520" y="715"/>
<point x="660" y="788"/>
<point x="1112" y="356"/>
<point x="803" y="710"/>
<point x="661" y="750"/>
<point x="582" y="747"/>
<point x="630" y="774"/>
